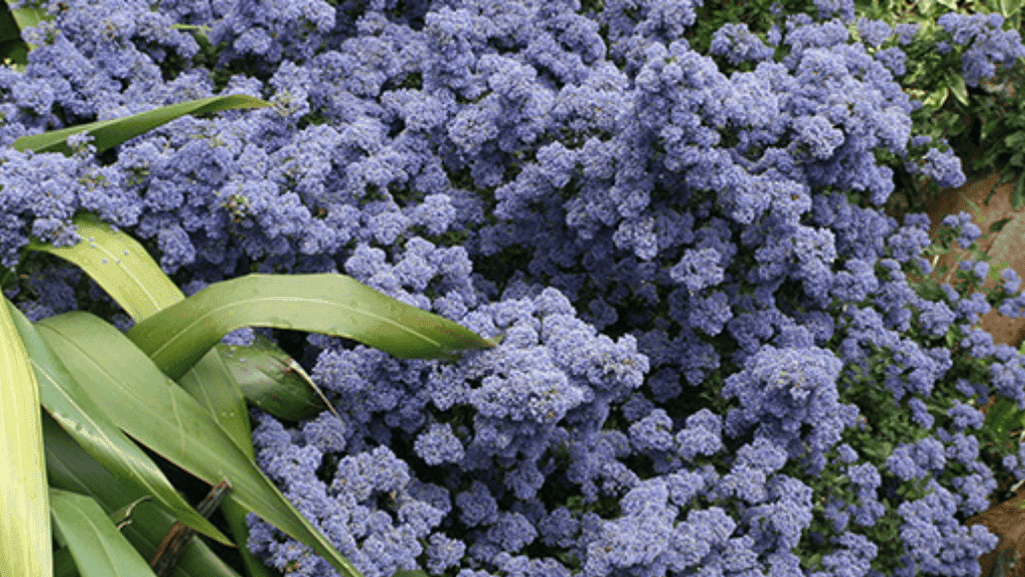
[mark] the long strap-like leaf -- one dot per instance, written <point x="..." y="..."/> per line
<point x="64" y="398"/>
<point x="161" y="415"/>
<point x="99" y="549"/>
<point x="70" y="468"/>
<point x="119" y="264"/>
<point x="333" y="304"/>
<point x="25" y="547"/>
<point x="110" y="133"/>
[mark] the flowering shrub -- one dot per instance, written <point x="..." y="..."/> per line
<point x="713" y="360"/>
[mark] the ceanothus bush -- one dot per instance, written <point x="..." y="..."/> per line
<point x="716" y="357"/>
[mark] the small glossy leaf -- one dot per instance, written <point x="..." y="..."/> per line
<point x="928" y="289"/>
<point x="958" y="87"/>
<point x="25" y="545"/>
<point x="98" y="547"/>
<point x="17" y="53"/>
<point x="333" y="304"/>
<point x="1003" y="416"/>
<point x="119" y="264"/>
<point x="1015" y="139"/>
<point x="110" y="133"/>
<point x="995" y="270"/>
<point x="999" y="225"/>
<point x="936" y="98"/>
<point x="159" y="414"/>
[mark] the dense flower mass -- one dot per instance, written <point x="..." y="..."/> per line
<point x="713" y="357"/>
<point x="988" y="44"/>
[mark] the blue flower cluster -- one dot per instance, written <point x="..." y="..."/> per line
<point x="714" y="359"/>
<point x="988" y="44"/>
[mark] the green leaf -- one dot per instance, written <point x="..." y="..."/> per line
<point x="140" y="286"/>
<point x="1015" y="140"/>
<point x="70" y="468"/>
<point x="26" y="18"/>
<point x="333" y="304"/>
<point x="999" y="225"/>
<point x="273" y="381"/>
<point x="65" y="399"/>
<point x="64" y="563"/>
<point x="1010" y="8"/>
<point x="933" y="101"/>
<point x="16" y="53"/>
<point x="9" y="30"/>
<point x="235" y="515"/>
<point x="987" y="128"/>
<point x="98" y="547"/>
<point x="210" y="382"/>
<point x="879" y="450"/>
<point x="110" y="133"/>
<point x="159" y="414"/>
<point x="995" y="270"/>
<point x="1018" y="194"/>
<point x="122" y="516"/>
<point x="119" y="264"/>
<point x="957" y="85"/>
<point x="24" y="502"/>
<point x="929" y="289"/>
<point x="975" y="208"/>
<point x="123" y="268"/>
<point x="1004" y="416"/>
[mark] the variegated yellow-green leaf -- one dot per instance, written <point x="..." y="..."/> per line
<point x="936" y="99"/>
<point x="25" y="545"/>
<point x="957" y="85"/>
